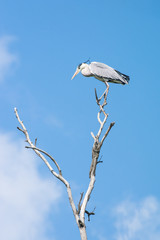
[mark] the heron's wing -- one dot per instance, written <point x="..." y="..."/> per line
<point x="102" y="70"/>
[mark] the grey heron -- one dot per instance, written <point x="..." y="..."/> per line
<point x="101" y="72"/>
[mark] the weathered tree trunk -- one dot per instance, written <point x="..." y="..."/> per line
<point x="83" y="233"/>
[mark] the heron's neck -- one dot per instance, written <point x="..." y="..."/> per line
<point x="86" y="71"/>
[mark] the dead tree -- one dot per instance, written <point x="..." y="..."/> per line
<point x="79" y="212"/>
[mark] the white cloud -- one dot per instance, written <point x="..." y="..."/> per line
<point x="138" y="220"/>
<point x="7" y="58"/>
<point x="25" y="197"/>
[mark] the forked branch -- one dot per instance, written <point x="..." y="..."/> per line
<point x="39" y="153"/>
<point x="90" y="213"/>
<point x="98" y="143"/>
<point x="79" y="213"/>
<point x="48" y="155"/>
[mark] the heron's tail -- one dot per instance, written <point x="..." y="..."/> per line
<point x="125" y="77"/>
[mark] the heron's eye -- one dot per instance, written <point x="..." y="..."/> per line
<point x="79" y="65"/>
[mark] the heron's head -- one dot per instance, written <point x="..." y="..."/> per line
<point x="80" y="67"/>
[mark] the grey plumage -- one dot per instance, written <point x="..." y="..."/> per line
<point x="102" y="72"/>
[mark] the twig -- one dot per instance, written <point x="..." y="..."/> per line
<point x="106" y="134"/>
<point x="79" y="204"/>
<point x="92" y="134"/>
<point x="48" y="155"/>
<point x="100" y="161"/>
<point x="90" y="213"/>
<point x="20" y="129"/>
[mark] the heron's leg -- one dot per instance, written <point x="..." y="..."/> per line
<point x="104" y="96"/>
<point x="107" y="85"/>
<point x="105" y="92"/>
<point x="99" y="99"/>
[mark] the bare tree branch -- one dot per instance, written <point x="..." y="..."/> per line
<point x="86" y="198"/>
<point x="96" y="149"/>
<point x="90" y="213"/>
<point x="48" y="155"/>
<point x="35" y="141"/>
<point x="98" y="144"/>
<point x="93" y="136"/>
<point x="20" y="129"/>
<point x="106" y="134"/>
<point x="100" y="161"/>
<point x="79" y="204"/>
<point x="79" y="213"/>
<point x="59" y="176"/>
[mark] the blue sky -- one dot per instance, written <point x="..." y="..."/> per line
<point x="41" y="44"/>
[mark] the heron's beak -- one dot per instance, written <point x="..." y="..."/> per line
<point x="76" y="72"/>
